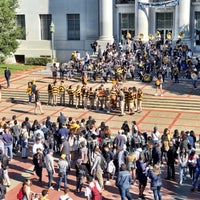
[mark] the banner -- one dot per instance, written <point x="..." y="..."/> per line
<point x="163" y="4"/>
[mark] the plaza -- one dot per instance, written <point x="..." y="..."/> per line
<point x="15" y="102"/>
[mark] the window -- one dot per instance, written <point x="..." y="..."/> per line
<point x="21" y="23"/>
<point x="127" y="24"/>
<point x="164" y="20"/>
<point x="73" y="26"/>
<point x="197" y="20"/>
<point x="45" y="22"/>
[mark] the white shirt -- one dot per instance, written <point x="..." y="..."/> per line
<point x="64" y="197"/>
<point x="88" y="192"/>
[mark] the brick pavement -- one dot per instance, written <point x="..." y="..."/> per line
<point x="183" y="120"/>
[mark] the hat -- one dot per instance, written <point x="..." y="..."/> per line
<point x="63" y="156"/>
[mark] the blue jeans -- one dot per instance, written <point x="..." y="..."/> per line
<point x="50" y="178"/>
<point x="64" y="178"/>
<point x="196" y="176"/>
<point x="8" y="151"/>
<point x="157" y="194"/>
<point x="182" y="173"/>
<point x="125" y="193"/>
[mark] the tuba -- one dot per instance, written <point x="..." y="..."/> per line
<point x="158" y="36"/>
<point x="151" y="37"/>
<point x="180" y="35"/>
<point x="128" y="35"/>
<point x="169" y="35"/>
<point x="141" y="35"/>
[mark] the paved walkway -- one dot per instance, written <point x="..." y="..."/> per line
<point x="173" y="119"/>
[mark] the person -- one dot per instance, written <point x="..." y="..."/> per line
<point x="3" y="192"/>
<point x="54" y="72"/>
<point x="65" y="196"/>
<point x="44" y="195"/>
<point x="26" y="188"/>
<point x="96" y="168"/>
<point x="156" y="181"/>
<point x="62" y="93"/>
<point x="93" y="190"/>
<point x="158" y="84"/>
<point x="63" y="169"/>
<point x="81" y="172"/>
<point x="196" y="175"/>
<point x="171" y="156"/>
<point x="4" y="165"/>
<point x="38" y="160"/>
<point x="183" y="160"/>
<point x="141" y="175"/>
<point x="49" y="163"/>
<point x="29" y="92"/>
<point x="55" y="92"/>
<point x="61" y="120"/>
<point x="121" y="102"/>
<point x="7" y="74"/>
<point x="50" y="95"/>
<point x="38" y="103"/>
<point x="139" y="100"/>
<point x="8" y="142"/>
<point x="24" y="141"/>
<point x="123" y="183"/>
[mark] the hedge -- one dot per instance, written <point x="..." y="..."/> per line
<point x="42" y="61"/>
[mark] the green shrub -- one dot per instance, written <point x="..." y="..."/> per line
<point x="2" y="59"/>
<point x="42" y="61"/>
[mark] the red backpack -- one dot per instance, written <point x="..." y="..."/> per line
<point x="96" y="195"/>
<point x="20" y="194"/>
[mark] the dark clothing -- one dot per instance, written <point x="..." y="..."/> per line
<point x="81" y="171"/>
<point x="7" y="74"/>
<point x="3" y="193"/>
<point x="171" y="156"/>
<point x="141" y="172"/>
<point x="108" y="155"/>
<point x="38" y="160"/>
<point x="156" y="155"/>
<point x="61" y="120"/>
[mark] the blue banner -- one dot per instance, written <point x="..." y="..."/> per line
<point x="163" y="4"/>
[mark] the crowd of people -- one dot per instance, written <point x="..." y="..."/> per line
<point x="131" y="157"/>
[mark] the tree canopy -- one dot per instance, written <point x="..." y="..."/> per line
<point x="9" y="32"/>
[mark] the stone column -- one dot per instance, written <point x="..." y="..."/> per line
<point x="106" y="22"/>
<point x="141" y="19"/>
<point x="184" y="17"/>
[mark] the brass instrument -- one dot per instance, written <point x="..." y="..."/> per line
<point x="151" y="37"/>
<point x="169" y="35"/>
<point x="128" y="35"/>
<point x="158" y="36"/>
<point x="180" y="35"/>
<point x="141" y="35"/>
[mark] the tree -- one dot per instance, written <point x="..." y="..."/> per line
<point x="9" y="32"/>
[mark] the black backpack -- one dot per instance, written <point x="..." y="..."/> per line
<point x="4" y="161"/>
<point x="103" y="163"/>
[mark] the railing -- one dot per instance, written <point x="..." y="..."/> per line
<point x="124" y="1"/>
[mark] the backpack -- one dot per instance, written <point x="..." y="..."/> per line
<point x="157" y="83"/>
<point x="4" y="161"/>
<point x="96" y="195"/>
<point x="103" y="163"/>
<point x="20" y="194"/>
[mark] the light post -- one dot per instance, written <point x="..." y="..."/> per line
<point x="52" y="31"/>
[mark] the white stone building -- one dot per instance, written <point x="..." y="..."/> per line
<point x="80" y="22"/>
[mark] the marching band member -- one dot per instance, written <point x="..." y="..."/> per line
<point x="55" y="93"/>
<point x="101" y="97"/>
<point x="84" y="92"/>
<point x="78" y="96"/>
<point x="62" y="93"/>
<point x="121" y="102"/>
<point x="70" y="92"/>
<point x="126" y="102"/>
<point x="139" y="100"/>
<point x="91" y="96"/>
<point x="107" y="100"/>
<point x="113" y="97"/>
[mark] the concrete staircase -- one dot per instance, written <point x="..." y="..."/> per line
<point x="149" y="102"/>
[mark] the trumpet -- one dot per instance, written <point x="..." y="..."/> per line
<point x="169" y="35"/>
<point x="151" y="37"/>
<point x="141" y="36"/>
<point x="180" y="35"/>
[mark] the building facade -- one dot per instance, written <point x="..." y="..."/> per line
<point x="78" y="23"/>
